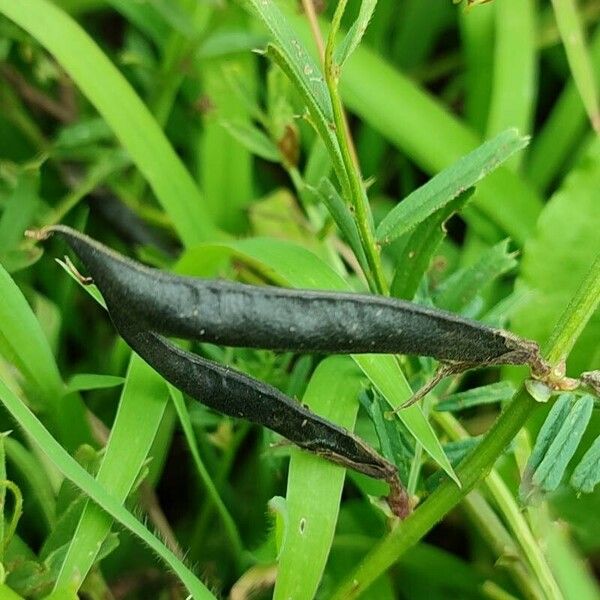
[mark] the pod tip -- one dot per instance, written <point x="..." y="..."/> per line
<point x="39" y="235"/>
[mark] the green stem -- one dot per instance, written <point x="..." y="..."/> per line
<point x="478" y="464"/>
<point x="512" y="515"/>
<point x="502" y="544"/>
<point x="356" y="189"/>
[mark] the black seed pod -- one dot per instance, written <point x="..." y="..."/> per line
<point x="234" y="314"/>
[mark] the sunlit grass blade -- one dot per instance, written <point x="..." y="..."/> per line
<point x="58" y="456"/>
<point x="291" y="265"/>
<point x="515" y="68"/>
<point x="562" y="130"/>
<point x="448" y="184"/>
<point x="331" y="393"/>
<point x="571" y="31"/>
<point x="141" y="409"/>
<point x="115" y="100"/>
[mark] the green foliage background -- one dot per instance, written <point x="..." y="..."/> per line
<point x="156" y="127"/>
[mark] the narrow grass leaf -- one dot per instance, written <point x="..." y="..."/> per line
<point x="253" y="139"/>
<point x="28" y="466"/>
<point x="141" y="409"/>
<point x="571" y="32"/>
<point x="460" y="289"/>
<point x="59" y="457"/>
<point x="23" y="342"/>
<point x="211" y="489"/>
<point x="551" y="470"/>
<point x="587" y="473"/>
<point x="487" y="394"/>
<point x="315" y="485"/>
<point x="515" y="68"/>
<point x="340" y="213"/>
<point x="415" y="258"/>
<point x="355" y="33"/>
<point x="447" y="185"/>
<point x="291" y="265"/>
<point x="291" y="55"/>
<point x="562" y="130"/>
<point x="90" y="381"/>
<point x="403" y="113"/>
<point x="116" y="101"/>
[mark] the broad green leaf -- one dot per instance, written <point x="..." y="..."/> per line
<point x="551" y="470"/>
<point x="293" y="266"/>
<point x="60" y="458"/>
<point x="450" y="183"/>
<point x="355" y="33"/>
<point x="487" y="394"/>
<point x="315" y="485"/>
<point x="141" y="410"/>
<point x="587" y="473"/>
<point x="557" y="258"/>
<point x="90" y="381"/>
<point x="460" y="289"/>
<point x="122" y="109"/>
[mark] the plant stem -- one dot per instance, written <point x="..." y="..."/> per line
<point x="357" y="192"/>
<point x="512" y="515"/>
<point x="478" y="464"/>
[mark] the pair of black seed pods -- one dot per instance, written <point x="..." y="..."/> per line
<point x="146" y="304"/>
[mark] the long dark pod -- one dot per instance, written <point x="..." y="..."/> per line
<point x="234" y="314"/>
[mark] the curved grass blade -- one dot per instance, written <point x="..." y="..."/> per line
<point x="450" y="183"/>
<point x="312" y="517"/>
<point x="355" y="33"/>
<point x="115" y="100"/>
<point x="571" y="32"/>
<point x="59" y="457"/>
<point x="23" y="342"/>
<point x="487" y="394"/>
<point x="291" y="265"/>
<point x="141" y="409"/>
<point x="515" y="68"/>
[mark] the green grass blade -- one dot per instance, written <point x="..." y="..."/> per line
<point x="58" y="456"/>
<point x="513" y="86"/>
<point x="141" y="409"/>
<point x="404" y="114"/>
<point x="23" y="342"/>
<point x="312" y="517"/>
<point x="571" y="32"/>
<point x="477" y="37"/>
<point x="562" y="131"/>
<point x="211" y="490"/>
<point x="115" y="100"/>
<point x="291" y="265"/>
<point x="355" y="33"/>
<point x="447" y="185"/>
